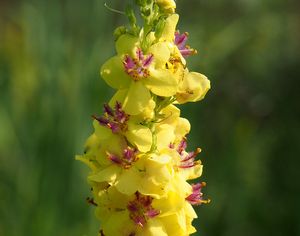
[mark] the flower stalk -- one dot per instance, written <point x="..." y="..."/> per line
<point x="140" y="169"/>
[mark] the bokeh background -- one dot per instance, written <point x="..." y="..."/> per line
<point x="248" y="126"/>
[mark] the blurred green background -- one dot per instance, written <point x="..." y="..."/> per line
<point x="248" y="126"/>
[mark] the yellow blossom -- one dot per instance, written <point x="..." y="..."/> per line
<point x="117" y="122"/>
<point x="192" y="87"/>
<point x="138" y="72"/>
<point x="139" y="164"/>
<point x="149" y="174"/>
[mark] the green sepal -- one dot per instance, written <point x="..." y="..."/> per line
<point x="119" y="31"/>
<point x="160" y="27"/>
<point x="131" y="16"/>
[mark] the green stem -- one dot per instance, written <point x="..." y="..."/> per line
<point x="154" y="138"/>
<point x="113" y="10"/>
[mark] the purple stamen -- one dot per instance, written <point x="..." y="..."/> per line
<point x="119" y="113"/>
<point x="129" y="156"/>
<point x="181" y="39"/>
<point x="152" y="213"/>
<point x="187" y="165"/>
<point x="129" y="63"/>
<point x="129" y="153"/>
<point x="108" y="110"/>
<point x="148" y="61"/>
<point x="137" y="67"/>
<point x="140" y="220"/>
<point x="180" y="42"/>
<point x="187" y="52"/>
<point x="115" y="119"/>
<point x="182" y="146"/>
<point x="114" y="159"/>
<point x="102" y="120"/>
<point x="140" y="54"/>
<point x="132" y="207"/>
<point x="114" y="127"/>
<point x="118" y="106"/>
<point x="172" y="145"/>
<point x="192" y="155"/>
<point x="187" y="159"/>
<point x="140" y="209"/>
<point x="196" y="197"/>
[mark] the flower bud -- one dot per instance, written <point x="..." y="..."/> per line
<point x="167" y="5"/>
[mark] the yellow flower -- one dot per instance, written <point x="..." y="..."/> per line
<point x="116" y="122"/>
<point x="138" y="72"/>
<point x="171" y="128"/>
<point x="127" y="215"/>
<point x="112" y="212"/>
<point x="186" y="164"/>
<point x="176" y="212"/>
<point x="140" y="214"/>
<point x="147" y="174"/>
<point x="193" y="87"/>
<point x="131" y="105"/>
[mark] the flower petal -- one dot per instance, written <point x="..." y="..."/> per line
<point x="161" y="54"/>
<point x="143" y="111"/>
<point x="136" y="99"/>
<point x="190" y="212"/>
<point x="169" y="205"/>
<point x="118" y="223"/>
<point x="113" y="73"/>
<point x="170" y="27"/>
<point x="155" y="227"/>
<point x="140" y="136"/>
<point x="129" y="181"/>
<point x="165" y="135"/>
<point x="149" y="187"/>
<point x="127" y="44"/>
<point x="161" y="82"/>
<point x="115" y="144"/>
<point x="192" y="173"/>
<point x="159" y="169"/>
<point x="108" y="174"/>
<point x="183" y="127"/>
<point x="192" y="88"/>
<point x="86" y="161"/>
<point x="175" y="224"/>
<point x="101" y="132"/>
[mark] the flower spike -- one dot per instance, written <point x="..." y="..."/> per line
<point x="140" y="168"/>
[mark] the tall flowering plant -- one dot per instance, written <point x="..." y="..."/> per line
<point x="140" y="168"/>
